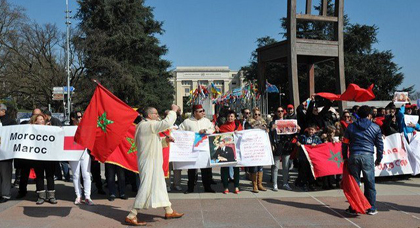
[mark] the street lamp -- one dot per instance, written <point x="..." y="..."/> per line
<point x="68" y="61"/>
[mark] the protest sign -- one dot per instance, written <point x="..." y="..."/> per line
<point x="400" y="98"/>
<point x="222" y="149"/>
<point x="413" y="119"/>
<point x="395" y="158"/>
<point x="254" y="148"/>
<point x="201" y="146"/>
<point x="413" y="149"/>
<point x="39" y="142"/>
<point x="182" y="148"/>
<point x="286" y="127"/>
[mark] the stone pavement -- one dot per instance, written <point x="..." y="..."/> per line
<point x="398" y="205"/>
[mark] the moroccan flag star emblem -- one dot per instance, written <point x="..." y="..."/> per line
<point x="103" y="122"/>
<point x="132" y="147"/>
<point x="336" y="157"/>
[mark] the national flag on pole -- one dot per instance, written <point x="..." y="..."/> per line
<point x="125" y="155"/>
<point x="352" y="93"/>
<point x="354" y="195"/>
<point x="271" y="88"/>
<point x="325" y="159"/>
<point x="104" y="124"/>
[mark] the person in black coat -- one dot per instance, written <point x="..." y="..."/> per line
<point x="5" y="165"/>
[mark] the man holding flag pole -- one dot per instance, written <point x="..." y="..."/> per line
<point x="152" y="192"/>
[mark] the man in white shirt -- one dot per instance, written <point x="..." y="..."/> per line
<point x="199" y="124"/>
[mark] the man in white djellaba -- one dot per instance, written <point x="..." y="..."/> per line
<point x="152" y="192"/>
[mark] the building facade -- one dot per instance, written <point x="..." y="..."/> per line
<point x="187" y="78"/>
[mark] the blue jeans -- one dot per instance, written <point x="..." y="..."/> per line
<point x="364" y="163"/>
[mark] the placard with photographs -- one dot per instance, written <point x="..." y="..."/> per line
<point x="286" y="127"/>
<point x="222" y="149"/>
<point x="400" y="98"/>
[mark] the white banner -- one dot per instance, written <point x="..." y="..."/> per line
<point x="201" y="146"/>
<point x="411" y="119"/>
<point x="39" y="142"/>
<point x="395" y="158"/>
<point x="413" y="149"/>
<point x="255" y="150"/>
<point x="182" y="148"/>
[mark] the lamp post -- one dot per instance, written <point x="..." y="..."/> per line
<point x="68" y="61"/>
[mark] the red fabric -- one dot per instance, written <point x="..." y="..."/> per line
<point x="90" y="135"/>
<point x="230" y="127"/>
<point x="352" y="93"/>
<point x="70" y="144"/>
<point x="325" y="159"/>
<point x="32" y="174"/>
<point x="379" y="121"/>
<point x="354" y="195"/>
<point x="125" y="155"/>
<point x="165" y="152"/>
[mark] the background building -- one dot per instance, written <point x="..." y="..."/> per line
<point x="187" y="78"/>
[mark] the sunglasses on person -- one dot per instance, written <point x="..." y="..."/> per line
<point x="200" y="111"/>
<point x="347" y="116"/>
<point x="257" y="114"/>
<point x="247" y="113"/>
<point x="281" y="110"/>
<point x="79" y="117"/>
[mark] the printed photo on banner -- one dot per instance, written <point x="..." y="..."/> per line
<point x="400" y="98"/>
<point x="222" y="149"/>
<point x="286" y="127"/>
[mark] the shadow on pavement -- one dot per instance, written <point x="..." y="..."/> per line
<point x="315" y="207"/>
<point x="392" y="206"/>
<point x="116" y="213"/>
<point x="43" y="212"/>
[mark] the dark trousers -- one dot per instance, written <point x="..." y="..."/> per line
<point x="255" y="169"/>
<point x="224" y="172"/>
<point x="95" y="169"/>
<point x="49" y="168"/>
<point x="25" y="168"/>
<point x="111" y="171"/>
<point x="364" y="163"/>
<point x="64" y="166"/>
<point x="6" y="178"/>
<point x="206" y="176"/>
<point x="304" y="173"/>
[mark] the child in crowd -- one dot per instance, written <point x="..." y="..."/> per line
<point x="305" y="178"/>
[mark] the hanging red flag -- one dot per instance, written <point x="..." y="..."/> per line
<point x="354" y="195"/>
<point x="125" y="155"/>
<point x="104" y="124"/>
<point x="325" y="159"/>
<point x="352" y="93"/>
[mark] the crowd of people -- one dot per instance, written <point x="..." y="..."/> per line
<point x="318" y="122"/>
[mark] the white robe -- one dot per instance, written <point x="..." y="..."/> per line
<point x="152" y="191"/>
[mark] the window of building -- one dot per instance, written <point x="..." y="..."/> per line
<point x="187" y="90"/>
<point x="218" y="82"/>
<point x="186" y="83"/>
<point x="204" y="82"/>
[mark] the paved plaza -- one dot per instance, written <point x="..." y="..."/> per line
<point x="398" y="205"/>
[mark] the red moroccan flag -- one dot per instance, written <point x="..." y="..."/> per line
<point x="352" y="93"/>
<point x="165" y="151"/>
<point x="354" y="195"/>
<point x="125" y="155"/>
<point x="104" y="123"/>
<point x="325" y="159"/>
